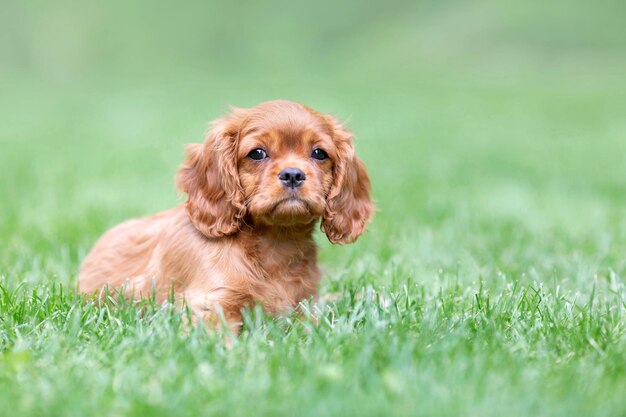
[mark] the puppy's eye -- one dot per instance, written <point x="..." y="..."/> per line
<point x="257" y="154"/>
<point x="319" y="154"/>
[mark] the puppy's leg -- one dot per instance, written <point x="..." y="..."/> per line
<point x="217" y="309"/>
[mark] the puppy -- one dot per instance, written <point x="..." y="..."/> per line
<point x="256" y="189"/>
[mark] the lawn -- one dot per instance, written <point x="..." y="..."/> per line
<point x="492" y="281"/>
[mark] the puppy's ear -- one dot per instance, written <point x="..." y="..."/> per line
<point x="209" y="176"/>
<point x="348" y="205"/>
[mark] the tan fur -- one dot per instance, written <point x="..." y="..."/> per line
<point x="242" y="237"/>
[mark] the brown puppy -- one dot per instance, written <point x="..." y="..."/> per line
<point x="255" y="191"/>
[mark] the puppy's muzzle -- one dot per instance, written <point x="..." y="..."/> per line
<point x="292" y="177"/>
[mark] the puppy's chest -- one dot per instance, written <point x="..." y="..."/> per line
<point x="287" y="272"/>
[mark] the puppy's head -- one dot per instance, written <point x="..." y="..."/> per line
<point x="282" y="164"/>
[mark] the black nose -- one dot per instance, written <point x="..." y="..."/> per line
<point x="292" y="177"/>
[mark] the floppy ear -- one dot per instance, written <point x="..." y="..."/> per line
<point x="209" y="176"/>
<point x="348" y="205"/>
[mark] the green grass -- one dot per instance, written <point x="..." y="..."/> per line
<point x="492" y="281"/>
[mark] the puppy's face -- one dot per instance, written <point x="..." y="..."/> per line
<point x="285" y="164"/>
<point x="282" y="164"/>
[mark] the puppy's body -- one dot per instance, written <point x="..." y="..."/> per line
<point x="165" y="251"/>
<point x="256" y="190"/>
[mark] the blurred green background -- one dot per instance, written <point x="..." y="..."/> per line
<point x="492" y="130"/>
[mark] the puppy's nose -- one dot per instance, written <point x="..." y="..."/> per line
<point x="292" y="177"/>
